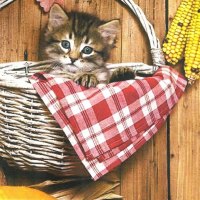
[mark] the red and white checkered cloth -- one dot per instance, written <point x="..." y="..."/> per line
<point x="106" y="125"/>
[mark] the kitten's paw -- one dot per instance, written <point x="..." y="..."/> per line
<point x="86" y="80"/>
<point x="122" y="74"/>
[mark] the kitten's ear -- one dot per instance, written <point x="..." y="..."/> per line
<point x="57" y="17"/>
<point x="109" y="31"/>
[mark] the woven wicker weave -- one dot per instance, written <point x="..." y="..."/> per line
<point x="4" y="3"/>
<point x="29" y="137"/>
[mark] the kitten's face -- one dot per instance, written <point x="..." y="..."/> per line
<point x="78" y="39"/>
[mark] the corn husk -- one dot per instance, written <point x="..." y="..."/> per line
<point x="51" y="183"/>
<point x="2" y="178"/>
<point x="109" y="196"/>
<point x="91" y="191"/>
<point x="74" y="189"/>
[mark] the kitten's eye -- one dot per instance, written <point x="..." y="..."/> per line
<point x="87" y="50"/>
<point x="65" y="44"/>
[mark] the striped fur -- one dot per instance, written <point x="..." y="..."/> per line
<point x="82" y="42"/>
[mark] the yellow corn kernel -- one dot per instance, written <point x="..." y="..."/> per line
<point x="192" y="50"/>
<point x="176" y="37"/>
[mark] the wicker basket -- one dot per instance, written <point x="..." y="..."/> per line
<point x="29" y="137"/>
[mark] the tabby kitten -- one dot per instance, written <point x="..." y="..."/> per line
<point x="80" y="43"/>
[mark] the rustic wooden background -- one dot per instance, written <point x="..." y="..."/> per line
<point x="168" y="166"/>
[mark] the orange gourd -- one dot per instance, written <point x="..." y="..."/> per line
<point x="22" y="193"/>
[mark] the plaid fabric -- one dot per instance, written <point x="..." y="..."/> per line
<point x="106" y="125"/>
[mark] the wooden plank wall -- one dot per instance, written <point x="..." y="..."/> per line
<point x="167" y="167"/>
<point x="185" y="140"/>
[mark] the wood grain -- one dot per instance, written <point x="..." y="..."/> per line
<point x="185" y="139"/>
<point x="144" y="176"/>
<point x="185" y="147"/>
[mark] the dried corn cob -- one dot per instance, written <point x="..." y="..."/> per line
<point x="192" y="51"/>
<point x="175" y="41"/>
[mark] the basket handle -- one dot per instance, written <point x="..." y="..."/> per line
<point x="156" y="51"/>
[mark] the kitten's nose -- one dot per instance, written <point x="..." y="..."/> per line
<point x="73" y="59"/>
